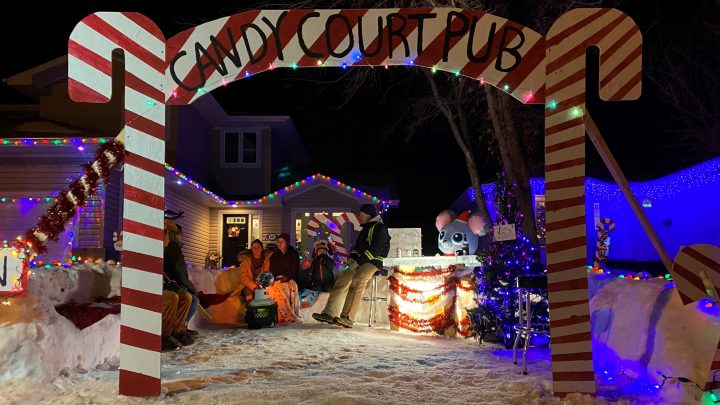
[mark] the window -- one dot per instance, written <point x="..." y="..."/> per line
<point x="240" y="148"/>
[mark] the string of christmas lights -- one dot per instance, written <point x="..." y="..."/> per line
<point x="17" y="200"/>
<point x="384" y="204"/>
<point x="75" y="142"/>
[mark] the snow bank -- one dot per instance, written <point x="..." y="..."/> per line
<point x="642" y="327"/>
<point x="38" y="343"/>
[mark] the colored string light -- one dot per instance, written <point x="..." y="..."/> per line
<point x="74" y="142"/>
<point x="384" y="204"/>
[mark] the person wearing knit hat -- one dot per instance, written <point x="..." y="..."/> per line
<point x="369" y="209"/>
<point x="371" y="247"/>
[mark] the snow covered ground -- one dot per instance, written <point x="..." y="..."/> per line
<point x="315" y="363"/>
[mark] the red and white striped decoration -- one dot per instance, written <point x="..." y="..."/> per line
<point x="602" y="246"/>
<point x="620" y="44"/>
<point x="90" y="69"/>
<point x="327" y="32"/>
<point x="334" y="225"/>
<point x="690" y="264"/>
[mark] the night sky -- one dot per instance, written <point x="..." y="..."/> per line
<point x="368" y="131"/>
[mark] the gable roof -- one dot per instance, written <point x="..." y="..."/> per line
<point x="288" y="191"/>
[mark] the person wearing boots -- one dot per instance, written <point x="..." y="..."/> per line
<point x="176" y="300"/>
<point x="176" y="269"/>
<point x="372" y="246"/>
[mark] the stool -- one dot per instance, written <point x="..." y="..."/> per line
<point x="373" y="298"/>
<point x="525" y="326"/>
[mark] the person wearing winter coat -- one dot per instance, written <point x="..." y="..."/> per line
<point x="321" y="277"/>
<point x="284" y="264"/>
<point x="372" y="246"/>
<point x="177" y="300"/>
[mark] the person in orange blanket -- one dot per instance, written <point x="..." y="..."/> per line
<point x="285" y="266"/>
<point x="252" y="263"/>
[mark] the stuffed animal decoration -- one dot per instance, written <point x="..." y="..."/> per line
<point x="459" y="233"/>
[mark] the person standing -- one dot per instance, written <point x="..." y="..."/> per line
<point x="372" y="246"/>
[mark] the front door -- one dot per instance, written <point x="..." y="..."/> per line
<point x="236" y="236"/>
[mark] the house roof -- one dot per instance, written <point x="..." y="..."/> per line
<point x="288" y="191"/>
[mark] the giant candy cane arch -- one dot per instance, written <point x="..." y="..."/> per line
<point x="90" y="69"/>
<point x="474" y="44"/>
<point x="620" y="44"/>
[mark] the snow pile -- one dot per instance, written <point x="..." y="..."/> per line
<point x="641" y="327"/>
<point x="39" y="344"/>
<point x="321" y="364"/>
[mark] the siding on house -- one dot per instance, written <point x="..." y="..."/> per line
<point x="32" y="180"/>
<point x="195" y="226"/>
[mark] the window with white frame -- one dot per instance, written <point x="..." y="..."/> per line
<point x="240" y="148"/>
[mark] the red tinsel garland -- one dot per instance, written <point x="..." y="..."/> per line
<point x="403" y="291"/>
<point x="437" y="323"/>
<point x="53" y="222"/>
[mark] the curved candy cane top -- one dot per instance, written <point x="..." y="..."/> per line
<point x="464" y="42"/>
<point x="90" y="57"/>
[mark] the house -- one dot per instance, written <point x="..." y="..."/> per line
<point x="679" y="207"/>
<point x="237" y="178"/>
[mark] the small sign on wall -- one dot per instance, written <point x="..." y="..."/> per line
<point x="504" y="232"/>
<point x="13" y="272"/>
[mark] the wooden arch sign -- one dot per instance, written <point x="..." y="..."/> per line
<point x="470" y="43"/>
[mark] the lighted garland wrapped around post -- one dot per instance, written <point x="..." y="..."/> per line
<point x="107" y="157"/>
<point x="496" y="315"/>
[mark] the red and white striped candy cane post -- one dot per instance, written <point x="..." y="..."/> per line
<point x="90" y="48"/>
<point x="689" y="266"/>
<point x="620" y="44"/>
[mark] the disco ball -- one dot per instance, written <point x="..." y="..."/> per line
<point x="265" y="279"/>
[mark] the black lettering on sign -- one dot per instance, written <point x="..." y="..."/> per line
<point x="301" y="40"/>
<point x="254" y="59"/>
<point x="378" y="41"/>
<point x="397" y="32"/>
<point x="3" y="280"/>
<point x="450" y="33"/>
<point x="328" y="39"/>
<point x="221" y="52"/>
<point x="512" y="51"/>
<point x="275" y="29"/>
<point x="177" y="80"/>
<point x="488" y="45"/>
<point x="420" y="20"/>
<point x="200" y="51"/>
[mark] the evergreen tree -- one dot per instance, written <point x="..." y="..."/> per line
<point x="496" y="294"/>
